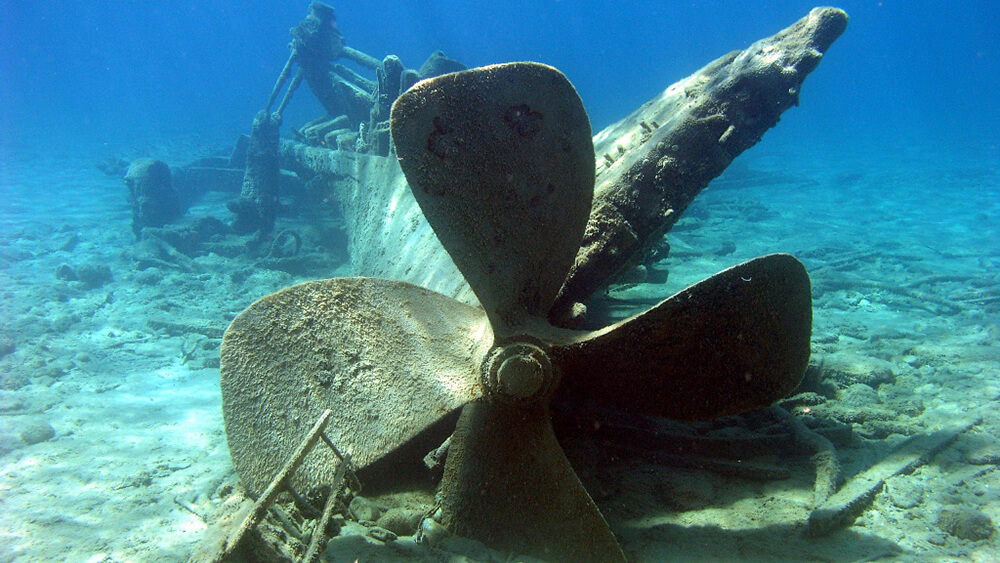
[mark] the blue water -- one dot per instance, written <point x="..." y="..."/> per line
<point x="885" y="182"/>
<point x="905" y="72"/>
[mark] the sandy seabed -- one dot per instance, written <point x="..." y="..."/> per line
<point x="111" y="429"/>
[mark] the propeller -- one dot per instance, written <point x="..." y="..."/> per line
<point x="501" y="161"/>
<point x="389" y="359"/>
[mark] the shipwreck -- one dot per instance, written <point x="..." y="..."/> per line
<point x="482" y="213"/>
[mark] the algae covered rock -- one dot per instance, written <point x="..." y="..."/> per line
<point x="904" y="492"/>
<point x="7" y="345"/>
<point x="18" y="433"/>
<point x="93" y="275"/>
<point x="965" y="523"/>
<point x="401" y="521"/>
<point x="365" y="510"/>
<point x="90" y="275"/>
<point x="848" y="368"/>
<point x="859" y="395"/>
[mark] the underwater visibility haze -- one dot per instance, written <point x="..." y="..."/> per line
<point x="524" y="280"/>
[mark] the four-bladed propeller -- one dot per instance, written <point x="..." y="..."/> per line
<point x="501" y="161"/>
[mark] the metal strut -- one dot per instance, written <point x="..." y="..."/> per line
<point x="280" y="484"/>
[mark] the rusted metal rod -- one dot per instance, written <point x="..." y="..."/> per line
<point x="277" y="484"/>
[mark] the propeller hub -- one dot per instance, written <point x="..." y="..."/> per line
<point x="520" y="376"/>
<point x="519" y="372"/>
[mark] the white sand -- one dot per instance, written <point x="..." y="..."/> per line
<point x="139" y="442"/>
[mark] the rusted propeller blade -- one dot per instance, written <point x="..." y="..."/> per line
<point x="508" y="484"/>
<point x="733" y="342"/>
<point x="389" y="358"/>
<point x="501" y="161"/>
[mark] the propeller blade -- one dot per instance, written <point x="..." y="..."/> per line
<point x="736" y="341"/>
<point x="508" y="484"/>
<point x="389" y="358"/>
<point x="501" y="161"/>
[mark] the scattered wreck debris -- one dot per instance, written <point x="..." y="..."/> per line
<point x="257" y="206"/>
<point x="357" y="107"/>
<point x="232" y="538"/>
<point x="823" y="454"/>
<point x="856" y="496"/>
<point x="151" y="195"/>
<point x="357" y="122"/>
